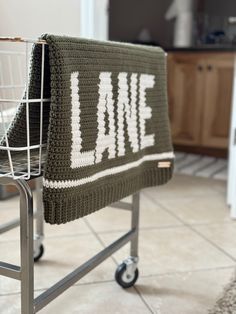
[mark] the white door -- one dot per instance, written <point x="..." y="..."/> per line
<point x="232" y="153"/>
<point x="94" y="19"/>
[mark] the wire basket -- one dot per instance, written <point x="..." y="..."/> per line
<point x="20" y="160"/>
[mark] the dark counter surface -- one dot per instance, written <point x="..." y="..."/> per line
<point x="206" y="48"/>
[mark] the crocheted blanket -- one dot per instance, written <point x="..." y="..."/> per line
<point x="108" y="129"/>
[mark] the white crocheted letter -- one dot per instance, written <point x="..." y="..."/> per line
<point x="105" y="118"/>
<point x="131" y="113"/>
<point x="127" y="109"/>
<point x="78" y="158"/>
<point x="145" y="112"/>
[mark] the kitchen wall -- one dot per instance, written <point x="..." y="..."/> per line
<point x="220" y="7"/>
<point x="128" y="17"/>
<point x="31" y="18"/>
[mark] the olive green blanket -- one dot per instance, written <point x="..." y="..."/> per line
<point x="108" y="128"/>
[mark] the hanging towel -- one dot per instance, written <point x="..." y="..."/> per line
<point x="106" y="127"/>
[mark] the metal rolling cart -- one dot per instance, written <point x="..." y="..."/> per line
<point x="22" y="164"/>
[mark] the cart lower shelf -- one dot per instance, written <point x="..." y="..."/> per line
<point x="32" y="249"/>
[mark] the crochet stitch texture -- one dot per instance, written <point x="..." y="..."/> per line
<point x="107" y="125"/>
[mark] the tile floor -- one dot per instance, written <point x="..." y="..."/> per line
<point x="187" y="254"/>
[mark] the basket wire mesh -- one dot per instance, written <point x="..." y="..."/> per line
<point x="19" y="161"/>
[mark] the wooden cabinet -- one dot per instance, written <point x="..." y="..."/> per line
<point x="217" y="101"/>
<point x="200" y="92"/>
<point x="185" y="98"/>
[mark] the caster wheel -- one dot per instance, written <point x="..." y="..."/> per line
<point x="39" y="253"/>
<point x="123" y="278"/>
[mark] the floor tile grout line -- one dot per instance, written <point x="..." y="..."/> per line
<point x="143" y="299"/>
<point x="96" y="232"/>
<point x="78" y="284"/>
<point x="212" y="243"/>
<point x="141" y="276"/>
<point x="216" y="222"/>
<point x="188" y="271"/>
<point x="199" y="224"/>
<point x="98" y="238"/>
<point x="115" y="261"/>
<point x="140" y="228"/>
<point x="188" y="197"/>
<point x="125" y="230"/>
<point x="52" y="237"/>
<point x="197" y="232"/>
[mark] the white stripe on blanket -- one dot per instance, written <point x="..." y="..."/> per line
<point x="107" y="172"/>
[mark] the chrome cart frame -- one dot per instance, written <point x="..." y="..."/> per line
<point x="126" y="274"/>
<point x="31" y="248"/>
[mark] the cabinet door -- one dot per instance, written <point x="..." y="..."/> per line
<point x="185" y="91"/>
<point x="217" y="101"/>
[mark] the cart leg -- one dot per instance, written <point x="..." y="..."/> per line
<point x="26" y="247"/>
<point x="39" y="235"/>
<point x="127" y="272"/>
<point x="39" y="215"/>
<point x="135" y="224"/>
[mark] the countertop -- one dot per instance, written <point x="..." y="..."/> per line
<point x="206" y="48"/>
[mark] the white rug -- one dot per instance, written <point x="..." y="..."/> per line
<point x="201" y="166"/>
<point x="226" y="304"/>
